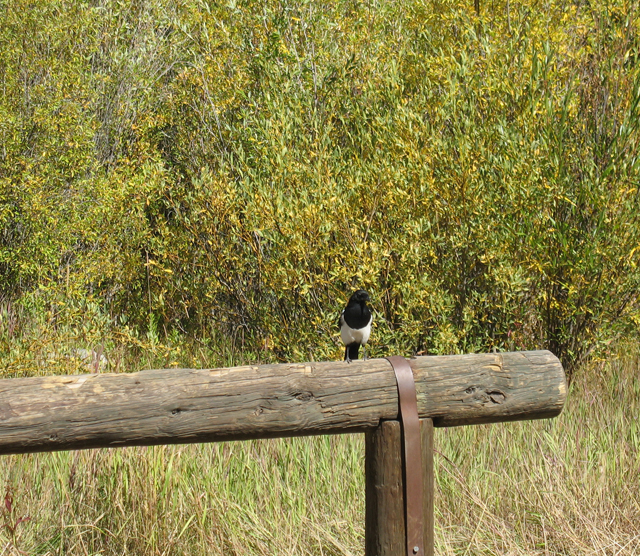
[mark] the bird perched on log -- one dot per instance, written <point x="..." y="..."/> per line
<point x="355" y="325"/>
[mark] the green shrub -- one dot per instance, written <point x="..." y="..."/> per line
<point x="239" y="169"/>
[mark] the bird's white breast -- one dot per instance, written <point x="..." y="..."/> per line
<point x="350" y="335"/>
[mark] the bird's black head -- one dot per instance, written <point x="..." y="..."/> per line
<point x="360" y="297"/>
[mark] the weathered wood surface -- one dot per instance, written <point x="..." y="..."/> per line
<point x="428" y="482"/>
<point x="188" y="405"/>
<point x="385" y="520"/>
<point x="384" y="491"/>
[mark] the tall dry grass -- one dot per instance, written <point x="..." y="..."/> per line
<point x="565" y="486"/>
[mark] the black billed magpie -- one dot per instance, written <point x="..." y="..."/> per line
<point x="355" y="325"/>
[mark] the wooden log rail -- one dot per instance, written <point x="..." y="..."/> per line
<point x="173" y="406"/>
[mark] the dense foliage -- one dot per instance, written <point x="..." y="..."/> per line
<point x="240" y="167"/>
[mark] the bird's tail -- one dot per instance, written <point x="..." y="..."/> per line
<point x="353" y="350"/>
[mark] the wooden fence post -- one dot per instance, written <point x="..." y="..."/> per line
<point x="385" y="515"/>
<point x="183" y="406"/>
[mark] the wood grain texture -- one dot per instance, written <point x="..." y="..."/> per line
<point x="385" y="519"/>
<point x="428" y="481"/>
<point x="204" y="405"/>
<point x="384" y="529"/>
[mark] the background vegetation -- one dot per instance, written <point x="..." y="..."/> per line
<point x="202" y="183"/>
<point x="238" y="168"/>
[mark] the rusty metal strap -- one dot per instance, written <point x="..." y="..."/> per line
<point x="408" y="405"/>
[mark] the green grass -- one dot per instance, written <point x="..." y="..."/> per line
<point x="563" y="486"/>
<point x="300" y="496"/>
